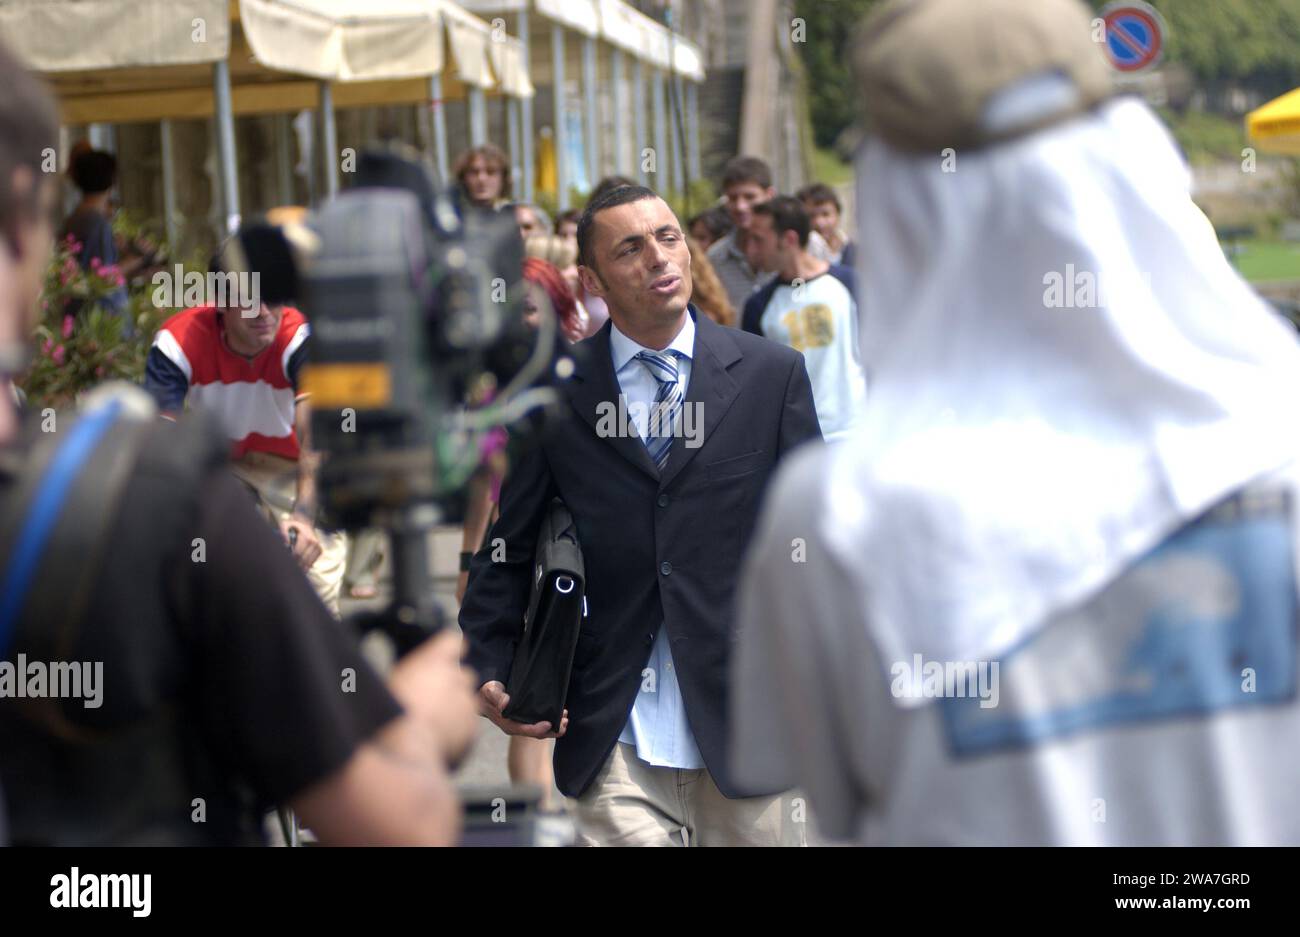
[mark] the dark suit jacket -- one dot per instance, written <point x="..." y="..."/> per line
<point x="659" y="551"/>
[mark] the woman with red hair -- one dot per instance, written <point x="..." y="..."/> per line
<point x="546" y="283"/>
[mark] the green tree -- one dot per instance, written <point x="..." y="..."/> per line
<point x="828" y="27"/>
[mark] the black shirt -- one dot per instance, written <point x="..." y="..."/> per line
<point x="223" y="675"/>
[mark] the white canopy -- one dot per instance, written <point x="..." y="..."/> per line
<point x="617" y="22"/>
<point x="76" y="35"/>
<point x="124" y="60"/>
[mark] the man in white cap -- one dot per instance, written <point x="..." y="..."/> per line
<point x="1047" y="594"/>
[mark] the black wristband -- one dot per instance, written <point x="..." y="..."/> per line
<point x="465" y="557"/>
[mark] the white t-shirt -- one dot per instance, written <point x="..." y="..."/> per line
<point x="1163" y="711"/>
<point x="819" y="318"/>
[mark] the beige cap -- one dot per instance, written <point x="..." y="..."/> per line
<point x="967" y="73"/>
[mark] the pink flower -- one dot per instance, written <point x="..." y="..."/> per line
<point x="58" y="355"/>
<point x="46" y="346"/>
<point x="68" y="322"/>
<point x="95" y="264"/>
<point x="73" y="245"/>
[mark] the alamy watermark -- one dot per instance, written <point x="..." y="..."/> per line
<point x="88" y="890"/>
<point x="922" y="679"/>
<point x="34" y="679"/>
<point x="180" y="288"/>
<point x="623" y="418"/>
<point x="1084" y="289"/>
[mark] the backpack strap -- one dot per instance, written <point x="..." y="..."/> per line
<point x="59" y="512"/>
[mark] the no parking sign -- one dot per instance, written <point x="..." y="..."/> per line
<point x="1135" y="36"/>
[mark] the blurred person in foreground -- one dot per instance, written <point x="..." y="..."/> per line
<point x="528" y="760"/>
<point x="1047" y="594"/>
<point x="223" y="683"/>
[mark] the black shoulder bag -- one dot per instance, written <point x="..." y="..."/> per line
<point x="539" y="675"/>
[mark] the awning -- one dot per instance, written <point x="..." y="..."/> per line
<point x="469" y="38"/>
<point x="508" y="65"/>
<point x="1275" y="127"/>
<point x="378" y="52"/>
<point x="335" y="40"/>
<point x="615" y="21"/>
<point x="61" y="36"/>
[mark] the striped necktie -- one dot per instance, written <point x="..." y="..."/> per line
<point x="667" y="409"/>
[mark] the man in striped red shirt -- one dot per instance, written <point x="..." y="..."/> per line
<point x="244" y="368"/>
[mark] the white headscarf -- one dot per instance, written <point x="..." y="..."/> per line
<point x="1016" y="456"/>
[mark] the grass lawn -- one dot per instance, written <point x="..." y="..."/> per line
<point x="1268" y="260"/>
<point x="830" y="169"/>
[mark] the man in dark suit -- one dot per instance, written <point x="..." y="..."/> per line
<point x="677" y="425"/>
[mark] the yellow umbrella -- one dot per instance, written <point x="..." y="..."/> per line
<point x="1276" y="126"/>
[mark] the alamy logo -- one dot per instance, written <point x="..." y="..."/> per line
<point x="83" y="680"/>
<point x="922" y="679"/>
<point x="103" y="891"/>
<point x="179" y="287"/>
<point x="623" y="418"/>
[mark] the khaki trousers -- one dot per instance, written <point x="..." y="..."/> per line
<point x="275" y="481"/>
<point x="631" y="803"/>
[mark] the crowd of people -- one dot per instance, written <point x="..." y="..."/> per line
<point x="887" y="540"/>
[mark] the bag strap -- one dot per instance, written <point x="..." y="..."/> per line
<point x="59" y="509"/>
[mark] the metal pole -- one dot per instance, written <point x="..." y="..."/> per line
<point x="225" y="121"/>
<point x="526" y="108"/>
<point x="512" y="141"/>
<point x="561" y="133"/>
<point x="168" y="184"/>
<point x="477" y="117"/>
<point x="693" y="128"/>
<point x="661" y="180"/>
<point x="676" y="145"/>
<point x="439" y="129"/>
<point x="329" y="140"/>
<point x="616" y="105"/>
<point x="591" y="125"/>
<point x="640" y="138"/>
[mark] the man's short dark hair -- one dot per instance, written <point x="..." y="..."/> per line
<point x="94" y="172"/>
<point x="608" y="184"/>
<point x="29" y="128"/>
<point x="611" y="198"/>
<point x="742" y="169"/>
<point x="787" y="214"/>
<point x="818" y="193"/>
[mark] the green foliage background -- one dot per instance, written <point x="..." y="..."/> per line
<point x="1251" y="43"/>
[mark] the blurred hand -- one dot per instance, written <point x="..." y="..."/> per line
<point x="306" y="545"/>
<point x="492" y="701"/>
<point x="438" y="691"/>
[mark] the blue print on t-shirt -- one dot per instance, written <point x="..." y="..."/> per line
<point x="1205" y="622"/>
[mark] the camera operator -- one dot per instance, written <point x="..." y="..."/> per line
<point x="224" y="685"/>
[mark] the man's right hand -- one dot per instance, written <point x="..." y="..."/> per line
<point x="492" y="702"/>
